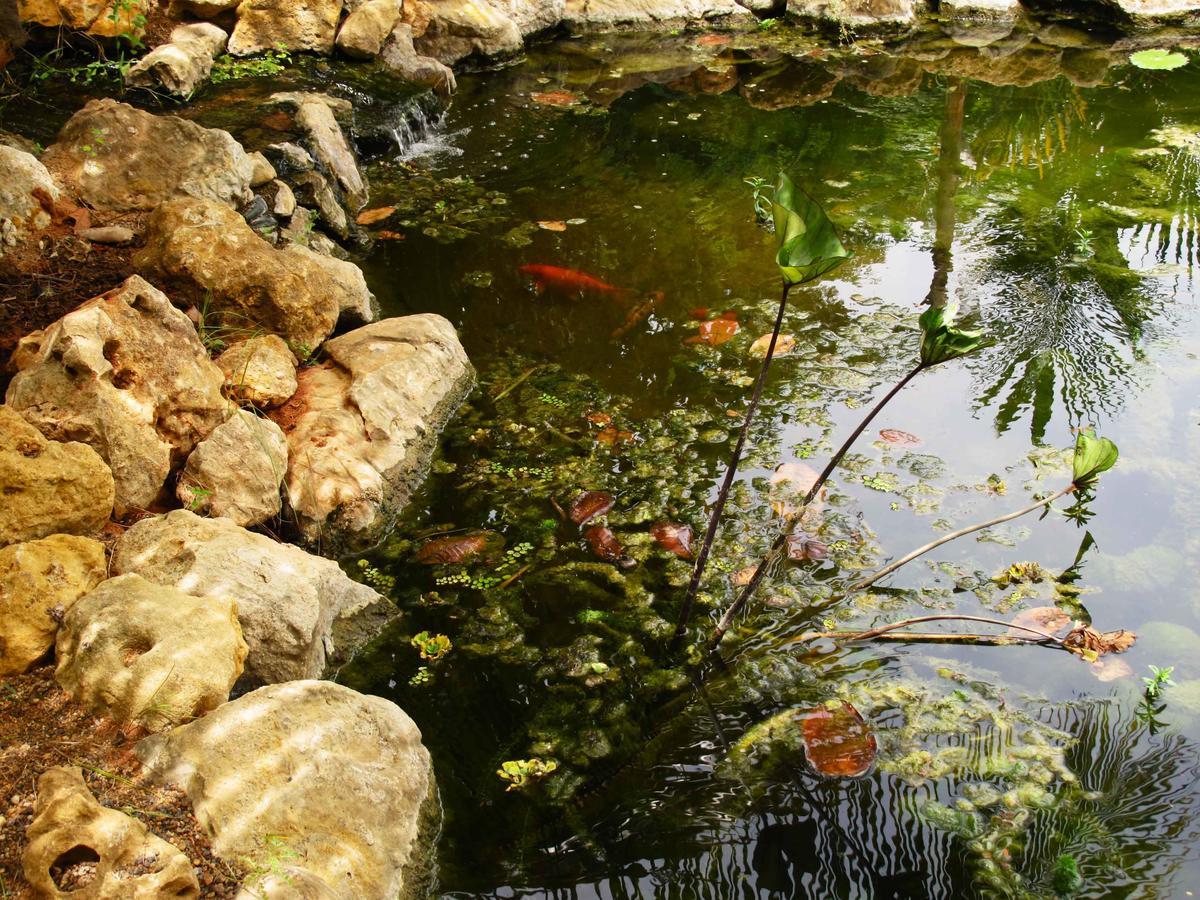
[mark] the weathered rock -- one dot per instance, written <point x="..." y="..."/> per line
<point x="49" y="487"/>
<point x="361" y="427"/>
<point x="236" y="471"/>
<point x="296" y="610"/>
<point x="978" y="23"/>
<point x="604" y="14"/>
<point x="39" y="582"/>
<point x="363" y="33"/>
<point x="1147" y="14"/>
<point x="182" y="64"/>
<point x="137" y="651"/>
<point x="532" y="16"/>
<point x="284" y="203"/>
<point x="27" y="194"/>
<point x="289" y="24"/>
<point x="252" y="285"/>
<point x="116" y="157"/>
<point x="357" y="304"/>
<point x="106" y="234"/>
<point x="126" y="374"/>
<point x="204" y="9"/>
<point x="131" y="863"/>
<point x="260" y="371"/>
<point x="317" y="191"/>
<point x="458" y="29"/>
<point x="315" y="114"/>
<point x="858" y="15"/>
<point x="289" y="158"/>
<point x="100" y="18"/>
<point x="400" y="55"/>
<point x="340" y="778"/>
<point x="263" y="172"/>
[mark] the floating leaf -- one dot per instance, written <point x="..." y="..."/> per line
<point x="900" y="438"/>
<point x="520" y="773"/>
<point x="605" y="546"/>
<point x="455" y="549"/>
<point x="808" y="244"/>
<point x="553" y="225"/>
<point x="613" y="436"/>
<point x="599" y="418"/>
<point x="801" y="548"/>
<point x="1111" y="669"/>
<point x="940" y="341"/>
<point x="1092" y="644"/>
<point x="838" y="743"/>
<point x="1093" y="456"/>
<point x="432" y="647"/>
<point x="389" y="235"/>
<point x="700" y="313"/>
<point x="673" y="537"/>
<point x="576" y="221"/>
<point x="554" y="98"/>
<point x="1158" y="58"/>
<point x="713" y="40"/>
<point x="371" y="216"/>
<point x="590" y="504"/>
<point x="785" y="343"/>
<point x="742" y="577"/>
<point x="1049" y="619"/>
<point x="714" y="332"/>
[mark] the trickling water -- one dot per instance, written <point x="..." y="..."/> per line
<point x="418" y="129"/>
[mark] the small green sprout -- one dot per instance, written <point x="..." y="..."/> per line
<point x="1159" y="679"/>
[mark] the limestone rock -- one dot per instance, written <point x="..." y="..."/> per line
<point x="236" y="471"/>
<point x="116" y="157"/>
<point x="39" y="582"/>
<point x="858" y="15"/>
<point x="285" y="200"/>
<point x="142" y="652"/>
<point x="458" y="29"/>
<point x="1147" y="14"/>
<point x="361" y="428"/>
<point x="291" y="24"/>
<point x="533" y="16"/>
<point x="182" y="64"/>
<point x="400" y="55"/>
<point x="316" y="115"/>
<point x="294" y="608"/>
<point x="263" y="172"/>
<point x="27" y="193"/>
<point x="340" y="778"/>
<point x="978" y="23"/>
<point x="363" y="33"/>
<point x="260" y="371"/>
<point x="357" y="305"/>
<point x="205" y="9"/>
<point x="606" y="14"/>
<point x="100" y="18"/>
<point x="126" y="374"/>
<point x="252" y="284"/>
<point x="131" y="863"/>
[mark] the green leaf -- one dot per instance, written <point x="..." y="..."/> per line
<point x="808" y="244"/>
<point x="1093" y="456"/>
<point x="940" y="341"/>
<point x="1158" y="58"/>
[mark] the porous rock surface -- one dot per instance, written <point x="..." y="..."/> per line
<point x="457" y="29"/>
<point x="137" y="651"/>
<point x="49" y="487"/>
<point x="863" y="15"/>
<point x="236" y="471"/>
<point x="27" y="196"/>
<point x="297" y="611"/>
<point x="260" y="371"/>
<point x="116" y="157"/>
<point x="264" y="25"/>
<point x="131" y="863"/>
<point x="339" y="778"/>
<point x="126" y="374"/>
<point x="317" y="116"/>
<point x="183" y="63"/>
<point x="362" y="426"/>
<point x="363" y="33"/>
<point x="39" y="581"/>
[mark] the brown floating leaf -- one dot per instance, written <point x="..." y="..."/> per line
<point x="599" y="418"/>
<point x="551" y="225"/>
<point x="742" y="577"/>
<point x="554" y="98"/>
<point x="613" y="436"/>
<point x="371" y="216"/>
<point x="713" y="40"/>
<point x="455" y="549"/>
<point x="389" y="235"/>
<point x="783" y="345"/>
<point x="900" y="438"/>
<point x="801" y="547"/>
<point x="673" y="537"/>
<point x="590" y="504"/>
<point x="700" y="313"/>
<point x="714" y="332"/>
<point x="1111" y="669"/>
<point x="839" y="744"/>
<point x="1050" y="619"/>
<point x="1091" y="644"/>
<point x="606" y="546"/>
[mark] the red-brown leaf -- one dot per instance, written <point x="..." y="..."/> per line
<point x="714" y="332"/>
<point x="1049" y="619"/>
<point x="374" y="216"/>
<point x="673" y="537"/>
<point x="590" y="504"/>
<point x="612" y="436"/>
<point x="839" y="744"/>
<point x="900" y="438"/>
<point x="713" y="40"/>
<point x="554" y="98"/>
<point x="455" y="549"/>
<point x="606" y="546"/>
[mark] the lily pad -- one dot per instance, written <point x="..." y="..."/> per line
<point x="1158" y="58"/>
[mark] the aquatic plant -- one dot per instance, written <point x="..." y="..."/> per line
<point x="432" y="647"/>
<point x="1158" y="59"/>
<point x="521" y="773"/>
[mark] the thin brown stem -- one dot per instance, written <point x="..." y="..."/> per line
<point x="926" y="637"/>
<point x="884" y="629"/>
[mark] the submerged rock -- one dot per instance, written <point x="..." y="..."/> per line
<point x="236" y="471"/>
<point x="39" y="582"/>
<point x="126" y="374"/>
<point x="259" y="371"/>
<point x="130" y="862"/>
<point x="264" y="25"/>
<point x="115" y="157"/>
<point x="362" y="427"/>
<point x="27" y="196"/>
<point x="182" y="64"/>
<point x="296" y="610"/>
<point x="340" y="779"/>
<point x="141" y="652"/>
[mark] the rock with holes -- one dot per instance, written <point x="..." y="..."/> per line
<point x="259" y="371"/>
<point x="106" y="854"/>
<point x="49" y="487"/>
<point x="116" y="157"/>
<point x="27" y="195"/>
<point x="362" y="426"/>
<point x="137" y="651"/>
<point x="236" y="471"/>
<point x="367" y="27"/>
<point x="339" y="779"/>
<point x="39" y="582"/>
<point x="182" y="64"/>
<point x="126" y="374"/>
<point x="264" y="25"/>
<point x="457" y="29"/>
<point x="297" y="611"/>
<point x="252" y="285"/>
<point x="607" y="14"/>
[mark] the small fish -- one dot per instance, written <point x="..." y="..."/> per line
<point x="570" y="281"/>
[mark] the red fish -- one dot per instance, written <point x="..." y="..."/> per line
<point x="570" y="281"/>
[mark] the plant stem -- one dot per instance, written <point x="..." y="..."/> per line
<point x="714" y="521"/>
<point x="924" y="637"/>
<point x="780" y="541"/>
<point x="954" y="535"/>
<point x="884" y="629"/>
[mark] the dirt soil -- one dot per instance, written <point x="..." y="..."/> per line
<point x="41" y="727"/>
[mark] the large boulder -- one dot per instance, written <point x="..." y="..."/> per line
<point x="27" y="196"/>
<point x="288" y="24"/>
<point x="126" y="374"/>
<point x="532" y="16"/>
<point x="366" y="29"/>
<point x="182" y="64"/>
<point x="356" y="304"/>
<point x="859" y="15"/>
<point x="458" y="29"/>
<point x="252" y="285"/>
<point x="400" y="56"/>
<point x="39" y="582"/>
<point x="297" y="611"/>
<point x="259" y="371"/>
<point x="49" y="487"/>
<point x="362" y="426"/>
<point x="115" y="157"/>
<point x="136" y="651"/>
<point x="71" y="828"/>
<point x="606" y="14"/>
<point x="236" y="471"/>
<point x="340" y="779"/>
<point x="1148" y="14"/>
<point x="99" y="18"/>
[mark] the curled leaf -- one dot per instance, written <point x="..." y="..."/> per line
<point x="808" y="244"/>
<point x="1091" y="644"/>
<point x="714" y="332"/>
<point x="1049" y="619"/>
<point x="1093" y="456"/>
<point x="549" y="225"/>
<point x="451" y="550"/>
<point x="590" y="504"/>
<point x="554" y="98"/>
<point x="941" y="341"/>
<point x="673" y="537"/>
<point x="837" y="742"/>
<point x="372" y="216"/>
<point x="605" y="546"/>
<point x="784" y="344"/>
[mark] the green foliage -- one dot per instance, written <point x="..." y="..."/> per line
<point x="432" y="647"/>
<point x="270" y="64"/>
<point x="1158" y="58"/>
<point x="941" y="341"/>
<point x="1159" y="679"/>
<point x="762" y="201"/>
<point x="1093" y="456"/>
<point x="131" y="34"/>
<point x="808" y="244"/>
<point x="1066" y="879"/>
<point x="381" y="581"/>
<point x="520" y="773"/>
<point x="270" y="861"/>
